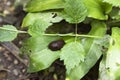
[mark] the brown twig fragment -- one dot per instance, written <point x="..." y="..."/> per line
<point x="14" y="50"/>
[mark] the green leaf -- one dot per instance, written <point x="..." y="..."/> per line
<point x="48" y="17"/>
<point x="35" y="44"/>
<point x="74" y="11"/>
<point x="40" y="56"/>
<point x="97" y="9"/>
<point x="105" y="41"/>
<point x="41" y="5"/>
<point x="93" y="51"/>
<point x="106" y="7"/>
<point x="38" y="22"/>
<point x="42" y="59"/>
<point x="8" y="33"/>
<point x="103" y="70"/>
<point x="115" y="3"/>
<point x="102" y="67"/>
<point x="98" y="29"/>
<point x="72" y="54"/>
<point x="115" y="14"/>
<point x="113" y="55"/>
<point x="110" y="64"/>
<point x="38" y="28"/>
<point x="30" y="19"/>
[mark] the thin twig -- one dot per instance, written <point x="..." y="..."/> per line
<point x="14" y="50"/>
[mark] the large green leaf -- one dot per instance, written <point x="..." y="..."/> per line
<point x="8" y="33"/>
<point x="30" y="19"/>
<point x="92" y="49"/>
<point x="38" y="28"/>
<point x="41" y="5"/>
<point x="106" y="7"/>
<point x="111" y="63"/>
<point x="72" y="54"/>
<point x="35" y="44"/>
<point x="103" y="70"/>
<point x="42" y="59"/>
<point x="40" y="56"/>
<point x="74" y="11"/>
<point x="97" y="9"/>
<point x="113" y="2"/>
<point x="48" y="17"/>
<point x="38" y="22"/>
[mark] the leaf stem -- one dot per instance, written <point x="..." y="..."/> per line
<point x="2" y="28"/>
<point x="76" y="31"/>
<point x="22" y="31"/>
<point x="73" y="35"/>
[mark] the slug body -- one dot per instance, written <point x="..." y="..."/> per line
<point x="56" y="45"/>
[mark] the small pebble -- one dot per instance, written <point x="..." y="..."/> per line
<point x="8" y="3"/>
<point x="15" y="61"/>
<point x="26" y="61"/>
<point x="6" y="12"/>
<point x="23" y="70"/>
<point x="20" y="42"/>
<point x="20" y="76"/>
<point x="9" y="67"/>
<point x="15" y="72"/>
<point x="0" y="47"/>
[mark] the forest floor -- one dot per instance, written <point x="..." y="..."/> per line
<point x="12" y="66"/>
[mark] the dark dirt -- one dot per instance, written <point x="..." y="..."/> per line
<point x="12" y="66"/>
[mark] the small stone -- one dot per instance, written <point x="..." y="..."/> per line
<point x="15" y="61"/>
<point x="23" y="70"/>
<point x="20" y="42"/>
<point x="0" y="46"/>
<point x="6" y="12"/>
<point x="8" y="3"/>
<point x="26" y="61"/>
<point x="20" y="76"/>
<point x="15" y="72"/>
<point x="9" y="67"/>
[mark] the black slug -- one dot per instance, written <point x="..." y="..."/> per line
<point x="56" y="45"/>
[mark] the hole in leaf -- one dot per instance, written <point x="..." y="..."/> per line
<point x="54" y="15"/>
<point x="30" y="51"/>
